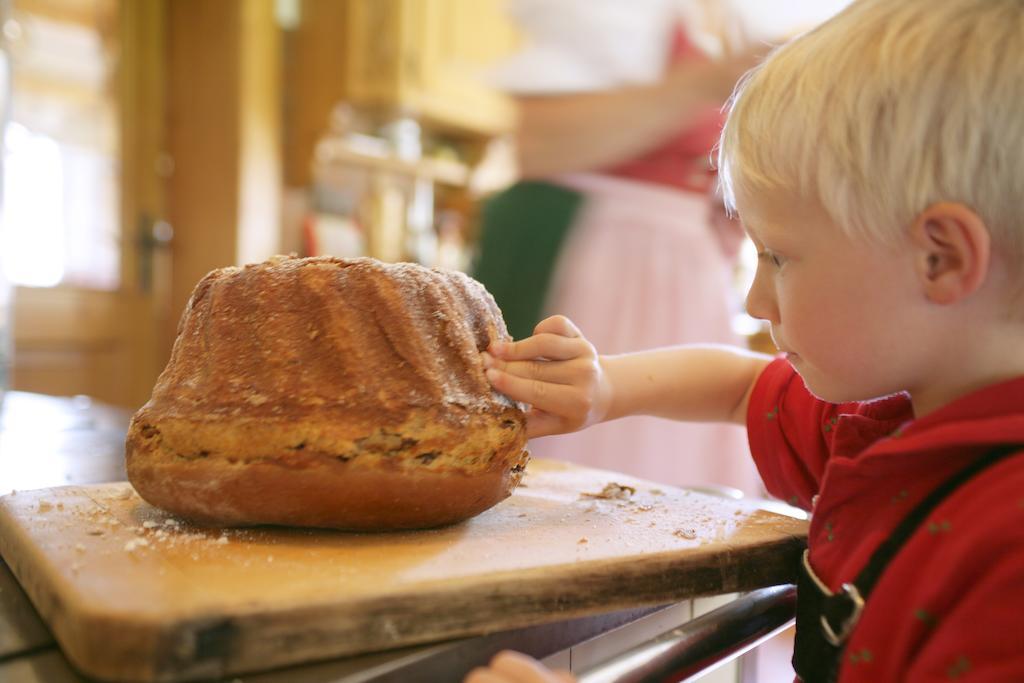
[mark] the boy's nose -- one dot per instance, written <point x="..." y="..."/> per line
<point x="760" y="301"/>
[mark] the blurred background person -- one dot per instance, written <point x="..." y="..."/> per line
<point x="620" y="104"/>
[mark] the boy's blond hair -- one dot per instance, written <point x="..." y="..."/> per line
<point x="889" y="107"/>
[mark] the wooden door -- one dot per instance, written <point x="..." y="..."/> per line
<point x="85" y="240"/>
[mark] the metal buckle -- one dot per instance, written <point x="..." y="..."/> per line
<point x="846" y="627"/>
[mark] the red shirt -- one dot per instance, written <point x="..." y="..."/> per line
<point x="950" y="606"/>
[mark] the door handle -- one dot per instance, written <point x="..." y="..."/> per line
<point x="153" y="235"/>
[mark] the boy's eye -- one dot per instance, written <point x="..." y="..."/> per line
<point x="771" y="257"/>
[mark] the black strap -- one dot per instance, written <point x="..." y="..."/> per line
<point x="816" y="657"/>
<point x="869" y="576"/>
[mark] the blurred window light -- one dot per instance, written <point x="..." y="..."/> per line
<point x="60" y="222"/>
<point x="33" y="208"/>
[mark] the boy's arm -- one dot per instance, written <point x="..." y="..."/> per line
<point x="558" y="372"/>
<point x="693" y="383"/>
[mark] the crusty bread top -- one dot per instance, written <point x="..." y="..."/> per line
<point x="357" y="338"/>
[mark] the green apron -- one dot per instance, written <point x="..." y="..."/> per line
<point x="522" y="232"/>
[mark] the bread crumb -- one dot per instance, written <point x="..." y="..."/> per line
<point x="582" y="540"/>
<point x="688" y="534"/>
<point x="45" y="506"/>
<point x="95" y="532"/>
<point x="125" y="494"/>
<point x="612" y="491"/>
<point x="79" y="548"/>
<point x="131" y="545"/>
<point x="149" y="524"/>
<point x="223" y="540"/>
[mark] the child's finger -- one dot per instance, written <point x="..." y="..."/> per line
<point x="560" y="399"/>
<point x="555" y="372"/>
<point x="543" y="345"/>
<point x="540" y="423"/>
<point x="482" y="675"/>
<point x="519" y="667"/>
<point x="558" y="324"/>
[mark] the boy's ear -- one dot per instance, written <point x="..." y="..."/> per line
<point x="952" y="249"/>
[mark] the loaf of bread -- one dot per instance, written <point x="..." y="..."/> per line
<point x="332" y="393"/>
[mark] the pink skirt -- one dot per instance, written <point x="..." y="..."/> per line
<point x="641" y="268"/>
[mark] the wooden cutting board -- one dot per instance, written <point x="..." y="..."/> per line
<point x="132" y="593"/>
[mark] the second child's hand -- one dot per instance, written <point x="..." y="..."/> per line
<point x="557" y="372"/>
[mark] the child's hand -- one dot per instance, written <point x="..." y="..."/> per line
<point x="512" y="667"/>
<point x="557" y="372"/>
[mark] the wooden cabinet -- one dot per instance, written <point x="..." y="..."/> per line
<point x="428" y="58"/>
<point x="396" y="64"/>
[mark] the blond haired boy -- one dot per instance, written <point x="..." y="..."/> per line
<point x="877" y="163"/>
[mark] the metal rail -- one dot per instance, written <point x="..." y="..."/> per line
<point x="703" y="644"/>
